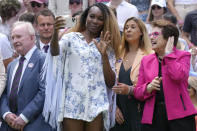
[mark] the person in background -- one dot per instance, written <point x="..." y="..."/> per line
<point x="190" y="29"/>
<point x="194" y="59"/>
<point x="2" y="75"/>
<point x="192" y="89"/>
<point x="180" y="8"/>
<point x="6" y="50"/>
<point x="45" y="20"/>
<point x="163" y="81"/>
<point x="8" y="12"/>
<point x="182" y="44"/>
<point x="88" y="55"/>
<point x="124" y="11"/>
<point x="75" y="6"/>
<point x="135" y="45"/>
<point x="28" y="17"/>
<point x="27" y="6"/>
<point x="91" y="2"/>
<point x="156" y="10"/>
<point x="142" y="6"/>
<point x="38" y="5"/>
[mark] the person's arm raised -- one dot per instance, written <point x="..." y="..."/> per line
<point x="59" y="24"/>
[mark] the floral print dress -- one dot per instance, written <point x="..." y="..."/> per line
<point x="85" y="89"/>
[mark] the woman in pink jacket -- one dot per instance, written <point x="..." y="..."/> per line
<point x="162" y="83"/>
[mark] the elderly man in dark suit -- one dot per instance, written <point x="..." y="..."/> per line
<point x="22" y="102"/>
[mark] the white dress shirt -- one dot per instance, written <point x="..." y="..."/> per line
<point x="42" y="46"/>
<point x="124" y="11"/>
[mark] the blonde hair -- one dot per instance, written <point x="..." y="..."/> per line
<point x="110" y="24"/>
<point x="192" y="81"/>
<point x="144" y="43"/>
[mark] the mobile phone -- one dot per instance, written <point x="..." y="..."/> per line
<point x="70" y="21"/>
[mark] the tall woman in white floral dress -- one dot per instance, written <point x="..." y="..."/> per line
<point x="79" y="78"/>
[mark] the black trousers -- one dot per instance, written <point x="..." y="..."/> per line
<point x="161" y="123"/>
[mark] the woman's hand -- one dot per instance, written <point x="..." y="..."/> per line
<point x="122" y="89"/>
<point x="169" y="45"/>
<point x="119" y="116"/>
<point x="103" y="43"/>
<point x="154" y="85"/>
<point x="60" y="23"/>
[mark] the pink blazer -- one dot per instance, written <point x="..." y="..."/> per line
<point x="175" y="73"/>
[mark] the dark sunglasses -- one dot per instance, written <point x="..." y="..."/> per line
<point x="155" y="6"/>
<point x="34" y="4"/>
<point x="77" y="2"/>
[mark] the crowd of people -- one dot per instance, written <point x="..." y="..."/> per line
<point x="108" y="65"/>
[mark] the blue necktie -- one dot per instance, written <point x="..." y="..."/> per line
<point x="46" y="47"/>
<point x="15" y="86"/>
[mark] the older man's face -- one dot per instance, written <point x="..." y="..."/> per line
<point x="22" y="40"/>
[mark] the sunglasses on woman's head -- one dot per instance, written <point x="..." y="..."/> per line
<point x="154" y="34"/>
<point x="155" y="6"/>
<point x="35" y="4"/>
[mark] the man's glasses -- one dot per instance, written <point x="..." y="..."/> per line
<point x="35" y="4"/>
<point x="154" y="34"/>
<point x="155" y="6"/>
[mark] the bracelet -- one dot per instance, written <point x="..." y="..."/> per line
<point x="190" y="45"/>
<point x="130" y="90"/>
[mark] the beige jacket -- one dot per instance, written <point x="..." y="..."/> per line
<point x="135" y="67"/>
<point x="2" y="76"/>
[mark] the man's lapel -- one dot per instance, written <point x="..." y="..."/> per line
<point x="30" y="66"/>
<point x="13" y="65"/>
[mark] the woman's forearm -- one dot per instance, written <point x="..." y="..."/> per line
<point x="54" y="47"/>
<point x="173" y="10"/>
<point x="109" y="74"/>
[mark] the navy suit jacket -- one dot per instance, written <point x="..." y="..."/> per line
<point x="31" y="95"/>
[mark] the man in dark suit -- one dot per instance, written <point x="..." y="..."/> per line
<point x="22" y="102"/>
<point x="45" y="20"/>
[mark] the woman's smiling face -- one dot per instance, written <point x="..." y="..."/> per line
<point x="157" y="40"/>
<point x="95" y="20"/>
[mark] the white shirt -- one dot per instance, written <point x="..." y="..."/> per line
<point x="26" y="61"/>
<point x="59" y="7"/>
<point x="124" y="11"/>
<point x="5" y="47"/>
<point x="185" y="2"/>
<point x="42" y="46"/>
